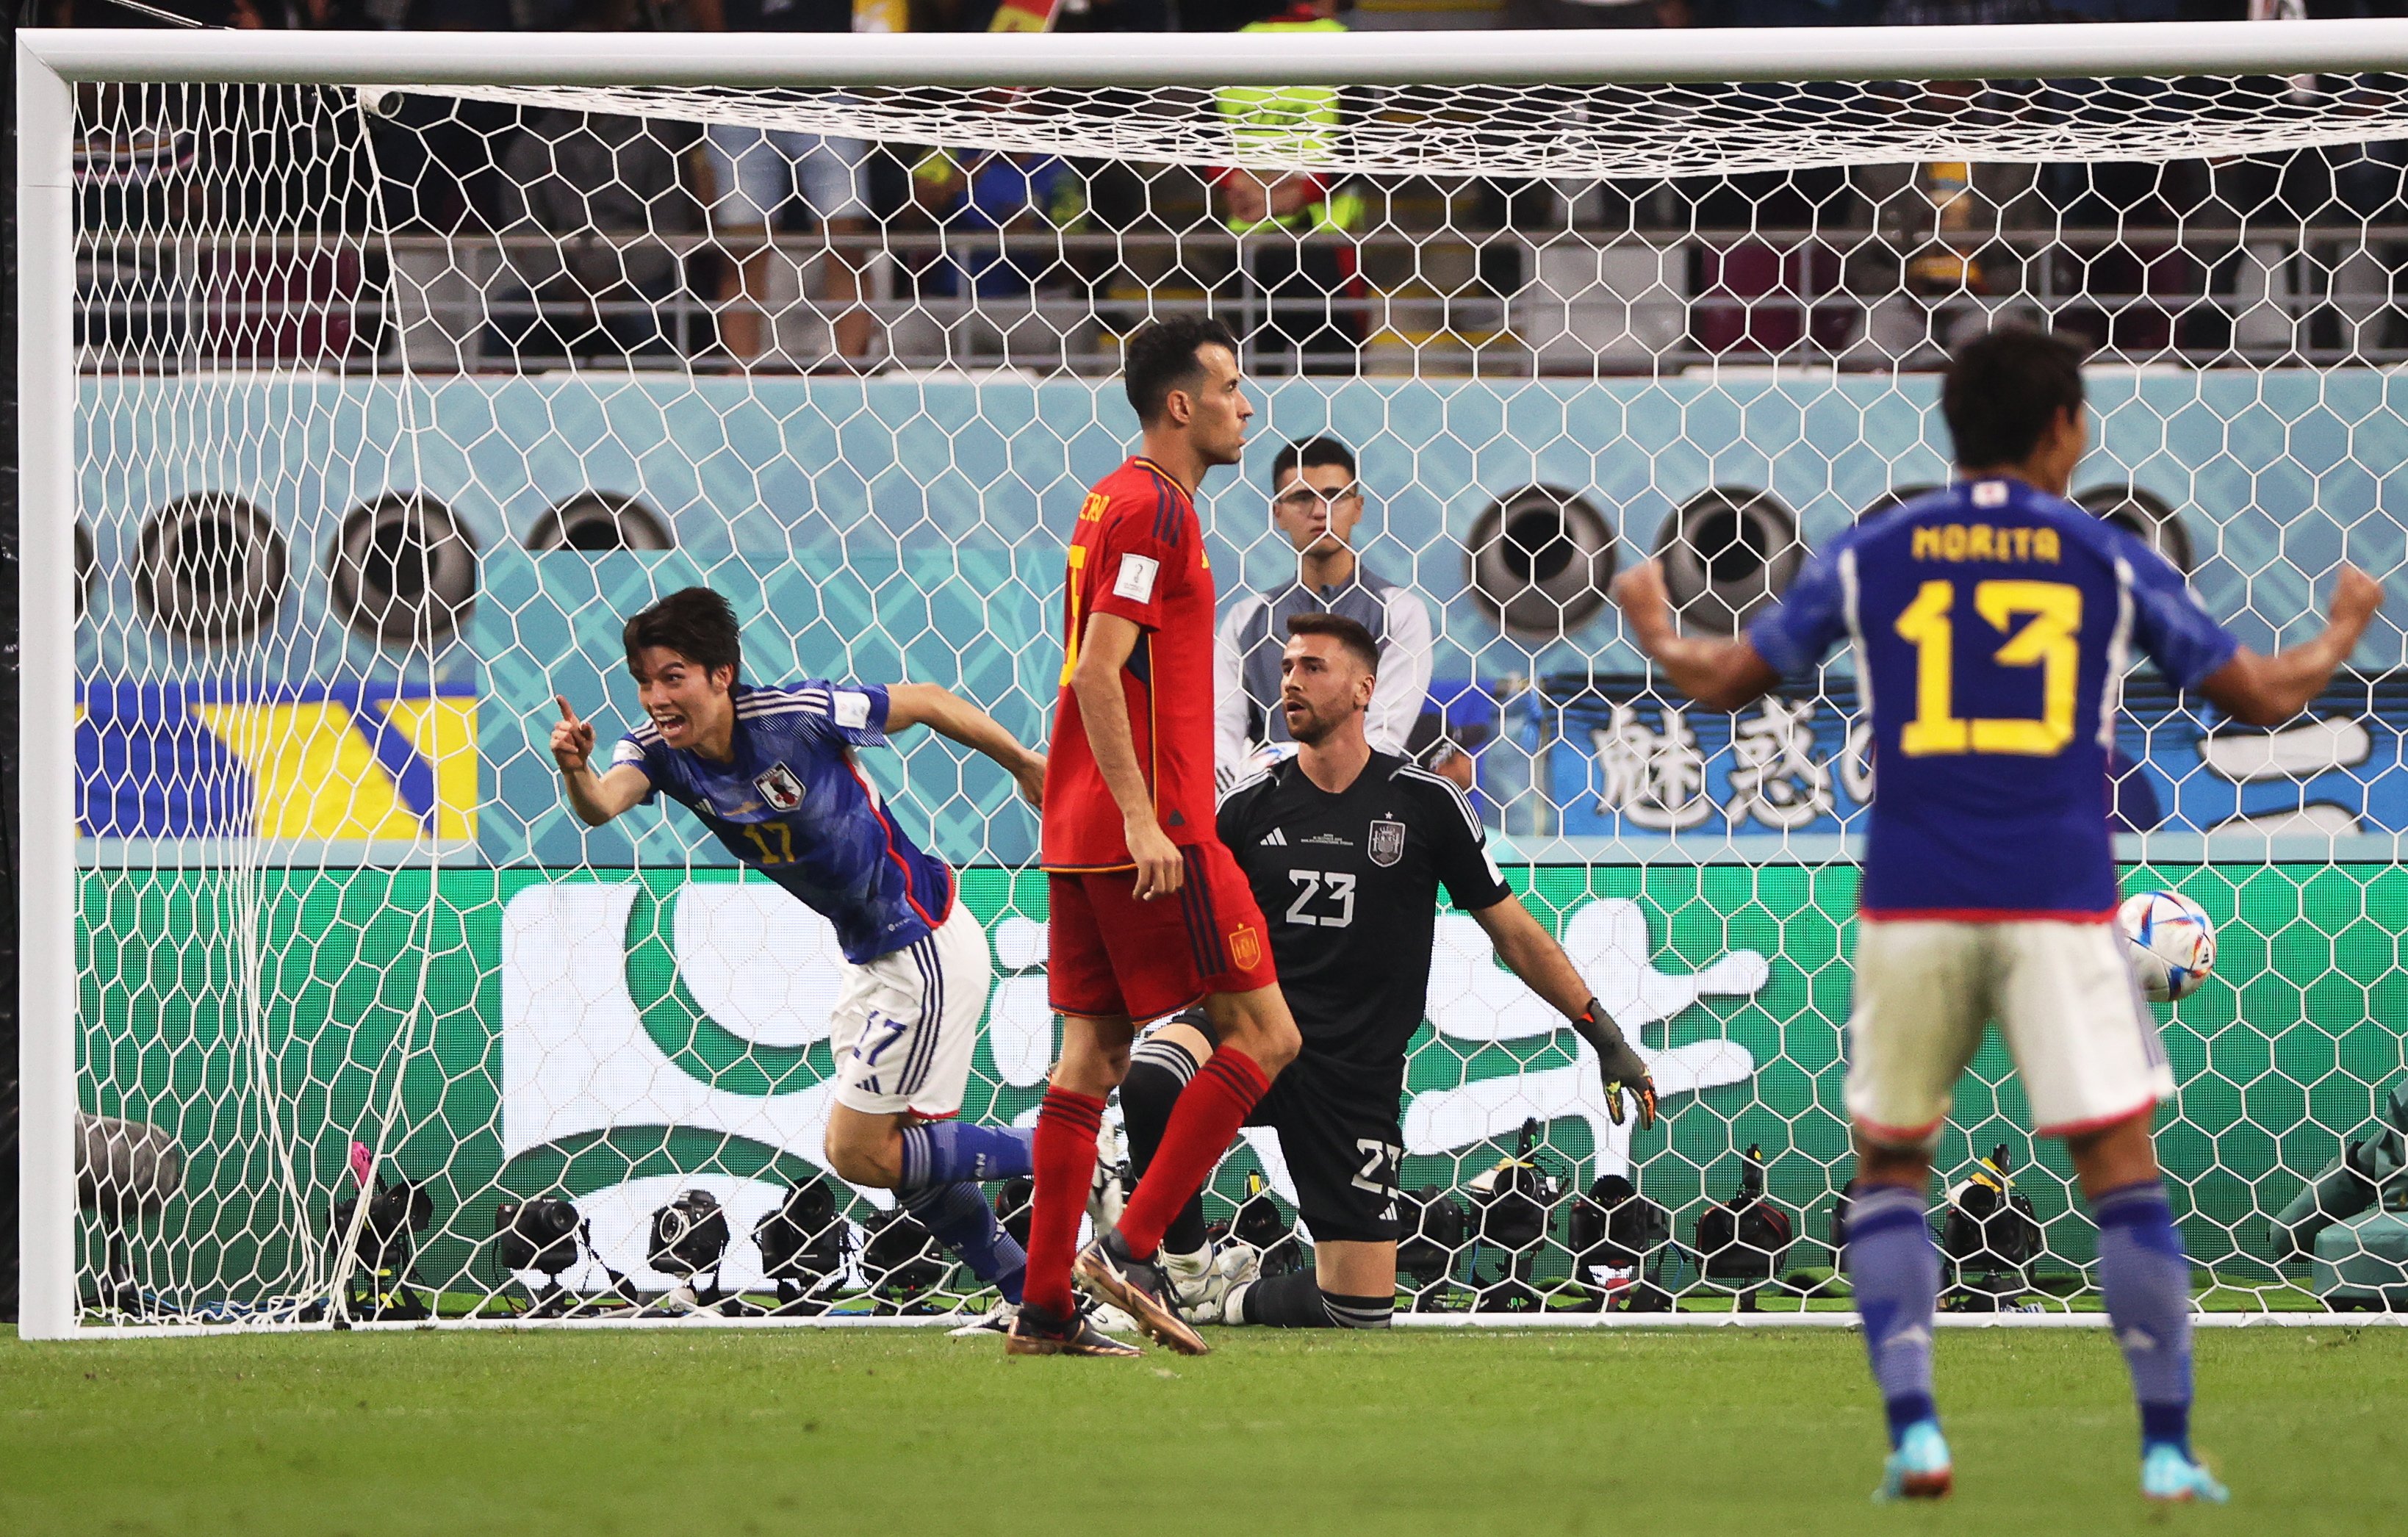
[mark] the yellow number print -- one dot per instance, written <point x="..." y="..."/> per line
<point x="1078" y="597"/>
<point x="1935" y="729"/>
<point x="2047" y="642"/>
<point x="785" y="851"/>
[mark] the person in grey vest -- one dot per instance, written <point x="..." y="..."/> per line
<point x="1316" y="502"/>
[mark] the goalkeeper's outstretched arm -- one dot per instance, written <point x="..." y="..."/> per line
<point x="1530" y="952"/>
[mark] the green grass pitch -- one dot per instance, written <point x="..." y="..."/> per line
<point x="824" y="1431"/>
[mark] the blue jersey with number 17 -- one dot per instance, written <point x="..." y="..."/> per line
<point x="1993" y="625"/>
<point x="792" y="804"/>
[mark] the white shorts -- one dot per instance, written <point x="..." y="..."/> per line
<point x="2084" y="1042"/>
<point x="757" y="171"/>
<point x="905" y="1024"/>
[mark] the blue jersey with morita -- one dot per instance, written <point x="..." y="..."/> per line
<point x="1993" y="625"/>
<point x="793" y="805"/>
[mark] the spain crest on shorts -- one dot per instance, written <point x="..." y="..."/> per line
<point x="1245" y="947"/>
<point x="1387" y="842"/>
<point x="780" y="788"/>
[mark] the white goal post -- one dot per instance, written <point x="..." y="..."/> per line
<point x="1707" y="399"/>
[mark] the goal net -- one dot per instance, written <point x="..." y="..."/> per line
<point x="373" y="382"/>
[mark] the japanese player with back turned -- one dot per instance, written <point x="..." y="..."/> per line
<point x="1148" y="912"/>
<point x="1992" y="624"/>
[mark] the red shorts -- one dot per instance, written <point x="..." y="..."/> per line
<point x="1109" y="955"/>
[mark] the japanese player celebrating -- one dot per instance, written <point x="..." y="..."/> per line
<point x="1148" y="912"/>
<point x="1992" y="624"/>
<point x="770" y="772"/>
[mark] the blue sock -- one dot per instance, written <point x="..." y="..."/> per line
<point x="943" y="1152"/>
<point x="2146" y="1278"/>
<point x="1896" y="1273"/>
<point x="960" y="1217"/>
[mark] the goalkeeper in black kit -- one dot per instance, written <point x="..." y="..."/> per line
<point x="1346" y="848"/>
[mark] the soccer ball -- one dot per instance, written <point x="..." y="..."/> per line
<point x="2172" y="944"/>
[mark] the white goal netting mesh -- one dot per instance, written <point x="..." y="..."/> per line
<point x="392" y="404"/>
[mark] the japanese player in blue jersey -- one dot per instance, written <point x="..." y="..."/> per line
<point x="1992" y="624"/>
<point x="770" y="772"/>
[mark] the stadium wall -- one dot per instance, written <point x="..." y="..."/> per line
<point x="615" y="1013"/>
<point x="616" y="1034"/>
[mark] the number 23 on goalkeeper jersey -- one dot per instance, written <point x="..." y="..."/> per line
<point x="1992" y="626"/>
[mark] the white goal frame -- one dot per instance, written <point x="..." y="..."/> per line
<point x="50" y="64"/>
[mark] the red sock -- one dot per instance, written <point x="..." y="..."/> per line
<point x="1063" y="1155"/>
<point x="1211" y="1109"/>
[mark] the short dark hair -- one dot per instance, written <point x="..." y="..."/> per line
<point x="1160" y="357"/>
<point x="1313" y="454"/>
<point x="1347" y="633"/>
<point x="2002" y="390"/>
<point x="696" y="623"/>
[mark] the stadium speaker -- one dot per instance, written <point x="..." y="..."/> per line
<point x="1541" y="561"/>
<point x="2144" y="514"/>
<point x="208" y="569"/>
<point x="1727" y="553"/>
<point x="803" y="1246"/>
<point x="403" y="571"/>
<point x="596" y="521"/>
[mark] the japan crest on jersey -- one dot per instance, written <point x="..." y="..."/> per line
<point x="1387" y="842"/>
<point x="780" y="788"/>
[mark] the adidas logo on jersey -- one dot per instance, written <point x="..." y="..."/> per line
<point x="1275" y="839"/>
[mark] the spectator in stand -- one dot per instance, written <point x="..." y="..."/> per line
<point x="988" y="205"/>
<point x="1296" y="226"/>
<point x="589" y="196"/>
<point x="755" y="172"/>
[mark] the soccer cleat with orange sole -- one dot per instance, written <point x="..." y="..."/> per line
<point x="1137" y="1288"/>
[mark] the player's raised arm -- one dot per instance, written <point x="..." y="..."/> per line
<point x="950" y="715"/>
<point x="1530" y="952"/>
<point x="596" y="798"/>
<point x="1103" y="710"/>
<point x="1721" y="674"/>
<point x="2269" y="690"/>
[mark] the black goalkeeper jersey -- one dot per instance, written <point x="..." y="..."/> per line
<point x="1349" y="885"/>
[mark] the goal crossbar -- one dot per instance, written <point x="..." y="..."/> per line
<point x="1096" y="60"/>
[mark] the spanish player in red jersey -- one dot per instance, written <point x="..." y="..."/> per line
<point x="1150" y="914"/>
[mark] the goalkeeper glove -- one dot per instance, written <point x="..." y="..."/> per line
<point x="1621" y="1069"/>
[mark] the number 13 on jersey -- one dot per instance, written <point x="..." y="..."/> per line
<point x="2042" y="623"/>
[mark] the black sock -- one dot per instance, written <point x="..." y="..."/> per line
<point x="1295" y="1301"/>
<point x="1288" y="1301"/>
<point x="1158" y="1070"/>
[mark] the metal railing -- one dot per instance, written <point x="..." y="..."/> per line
<point x="1444" y="304"/>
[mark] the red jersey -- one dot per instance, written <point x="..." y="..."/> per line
<point x="1137" y="552"/>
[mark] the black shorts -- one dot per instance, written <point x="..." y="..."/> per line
<point x="1343" y="1142"/>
